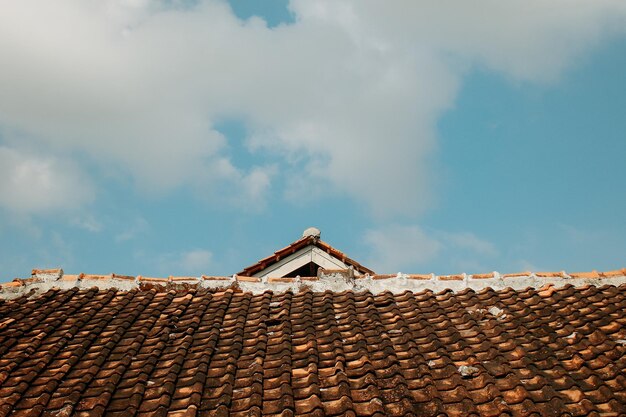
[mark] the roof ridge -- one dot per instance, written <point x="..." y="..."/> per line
<point x="335" y="280"/>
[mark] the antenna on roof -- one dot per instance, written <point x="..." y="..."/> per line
<point x="312" y="231"/>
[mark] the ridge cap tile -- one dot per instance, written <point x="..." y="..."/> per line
<point x="483" y="276"/>
<point x="453" y="277"/>
<point x="517" y="274"/>
<point x="420" y="276"/>
<point x="216" y="278"/>
<point x="376" y="283"/>
<point x="123" y="277"/>
<point x="551" y="274"/>
<point x="614" y="273"/>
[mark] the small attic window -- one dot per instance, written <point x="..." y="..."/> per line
<point x="308" y="270"/>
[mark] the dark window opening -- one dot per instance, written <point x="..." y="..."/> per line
<point x="308" y="270"/>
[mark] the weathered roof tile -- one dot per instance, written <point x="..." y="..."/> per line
<point x="197" y="351"/>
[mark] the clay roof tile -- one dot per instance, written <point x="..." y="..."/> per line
<point x="185" y="351"/>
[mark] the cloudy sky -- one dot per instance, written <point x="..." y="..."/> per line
<point x="188" y="137"/>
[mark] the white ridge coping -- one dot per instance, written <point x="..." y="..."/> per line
<point x="336" y="281"/>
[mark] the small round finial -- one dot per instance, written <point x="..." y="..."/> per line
<point x="312" y="231"/>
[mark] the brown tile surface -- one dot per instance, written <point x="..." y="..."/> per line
<point x="195" y="352"/>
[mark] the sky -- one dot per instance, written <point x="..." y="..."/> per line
<point x="177" y="137"/>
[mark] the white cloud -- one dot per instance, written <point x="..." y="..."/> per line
<point x="247" y="190"/>
<point x="198" y="260"/>
<point x="410" y="248"/>
<point x="349" y="94"/>
<point x="137" y="227"/>
<point x="257" y="182"/>
<point x="32" y="183"/>
<point x="469" y="241"/>
<point x="88" y="222"/>
<point x="193" y="262"/>
<point x="398" y="247"/>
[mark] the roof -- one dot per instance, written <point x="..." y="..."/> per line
<point x="206" y="352"/>
<point x="306" y="240"/>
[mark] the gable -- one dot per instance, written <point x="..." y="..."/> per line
<point x="310" y="254"/>
<point x="304" y="257"/>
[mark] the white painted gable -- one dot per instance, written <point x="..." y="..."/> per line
<point x="299" y="259"/>
<point x="306" y="257"/>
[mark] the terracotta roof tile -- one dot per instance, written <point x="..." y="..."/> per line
<point x="141" y="278"/>
<point x="123" y="277"/>
<point x="172" y="278"/>
<point x="243" y="278"/>
<point x="14" y="283"/>
<point x="559" y="274"/>
<point x="420" y="276"/>
<point x="196" y="352"/>
<point x="517" y="274"/>
<point x="215" y="278"/>
<point x="457" y="277"/>
<point x="587" y="275"/>
<point x="281" y="279"/>
<point x="616" y="273"/>
<point x="69" y="278"/>
<point x="384" y="276"/>
<point x="96" y="277"/>
<point x="483" y="276"/>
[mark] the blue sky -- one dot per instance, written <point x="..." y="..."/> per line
<point x="175" y="138"/>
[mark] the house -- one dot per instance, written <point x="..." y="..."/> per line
<point x="308" y="331"/>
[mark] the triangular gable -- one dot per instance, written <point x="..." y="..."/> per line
<point x="303" y="257"/>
